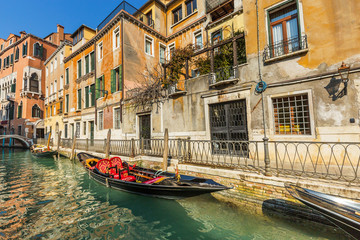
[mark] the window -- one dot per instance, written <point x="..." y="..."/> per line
<point x="162" y="53"/>
<point x="55" y="86"/>
<point x="84" y="128"/>
<point x="34" y="83"/>
<point x="92" y="93"/>
<point x="16" y="54"/>
<point x="100" y="120"/>
<point x="60" y="107"/>
<point x="51" y="67"/>
<point x="92" y="59"/>
<point x="116" y="38"/>
<point x="47" y="91"/>
<point x="216" y="37"/>
<point x="171" y="49"/>
<point x="292" y="115"/>
<point x="38" y="50"/>
<point x="177" y="14"/>
<point x="51" y="88"/>
<point x="284" y="31"/>
<point x="61" y="57"/>
<point x="117" y="117"/>
<point x="54" y="112"/>
<point x="61" y="82"/>
<point x="67" y="103"/>
<point x="116" y="79"/>
<point x="87" y="64"/>
<point x="19" y="130"/>
<point x="77" y="131"/>
<point x="198" y="41"/>
<point x="2" y="46"/>
<point x="149" y="46"/>
<point x="79" y="99"/>
<point x="35" y="111"/>
<point x="51" y="111"/>
<point x="100" y="51"/>
<point x="66" y="130"/>
<point x="191" y="6"/>
<point x="150" y="21"/>
<point x="55" y="63"/>
<point x="10" y="42"/>
<point x="11" y="59"/>
<point x="67" y="76"/>
<point x="20" y="110"/>
<point x="100" y="85"/>
<point x="87" y="96"/>
<point x="24" y="49"/>
<point x="79" y="73"/>
<point x="47" y="71"/>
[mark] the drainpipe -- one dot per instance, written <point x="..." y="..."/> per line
<point x="265" y="138"/>
<point x="95" y="60"/>
<point x="122" y="70"/>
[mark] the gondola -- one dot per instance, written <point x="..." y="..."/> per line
<point x="41" y="151"/>
<point x="342" y="212"/>
<point x="134" y="179"/>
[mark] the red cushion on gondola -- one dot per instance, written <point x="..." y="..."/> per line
<point x="103" y="165"/>
<point x="129" y="179"/>
<point x="116" y="161"/>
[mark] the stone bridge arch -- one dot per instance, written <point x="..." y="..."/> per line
<point x="24" y="141"/>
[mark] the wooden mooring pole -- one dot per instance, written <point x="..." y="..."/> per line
<point x="58" y="141"/>
<point x="107" y="147"/>
<point x="72" y="157"/>
<point x="166" y="150"/>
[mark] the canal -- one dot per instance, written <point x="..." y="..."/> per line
<point x="56" y="199"/>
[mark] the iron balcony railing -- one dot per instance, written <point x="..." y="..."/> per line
<point x="223" y="74"/>
<point x="129" y="9"/>
<point x="321" y="160"/>
<point x="285" y="47"/>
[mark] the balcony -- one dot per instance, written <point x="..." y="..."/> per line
<point x="32" y="91"/>
<point x="219" y="8"/>
<point x="129" y="9"/>
<point x="177" y="89"/>
<point x="10" y="96"/>
<point x="287" y="48"/>
<point x="52" y="97"/>
<point x="46" y="101"/>
<point x="224" y="76"/>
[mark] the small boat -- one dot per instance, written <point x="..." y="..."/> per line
<point x="42" y="151"/>
<point x="122" y="176"/>
<point x="342" y="212"/>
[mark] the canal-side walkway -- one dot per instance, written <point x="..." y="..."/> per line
<point x="259" y="194"/>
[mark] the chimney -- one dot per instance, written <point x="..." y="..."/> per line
<point x="60" y="31"/>
<point x="22" y="34"/>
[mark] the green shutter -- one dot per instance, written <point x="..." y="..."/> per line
<point x="67" y="76"/>
<point x="79" y="99"/>
<point x="87" y="96"/>
<point x="11" y="59"/>
<point x="87" y="64"/>
<point x="97" y="88"/>
<point x="113" y="81"/>
<point x="92" y="90"/>
<point x="19" y="111"/>
<point x="103" y="86"/>
<point x="41" y="51"/>
<point x="26" y="48"/>
<point x="79" y="69"/>
<point x="17" y="54"/>
<point x="92" y="56"/>
<point x="13" y="87"/>
<point x="120" y="77"/>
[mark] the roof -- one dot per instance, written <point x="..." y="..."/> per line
<point x="63" y="43"/>
<point x="82" y="26"/>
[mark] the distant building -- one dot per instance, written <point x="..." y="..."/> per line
<point x="22" y="84"/>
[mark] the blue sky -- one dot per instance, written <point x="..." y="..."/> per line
<point x="40" y="17"/>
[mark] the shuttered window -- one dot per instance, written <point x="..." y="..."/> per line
<point x="87" y="96"/>
<point x="117" y="118"/>
<point x="17" y="54"/>
<point x="67" y="103"/>
<point x="25" y="47"/>
<point x="87" y="67"/>
<point x="79" y="68"/>
<point x="100" y="86"/>
<point x="66" y="76"/>
<point x="20" y="111"/>
<point x="92" y="91"/>
<point x="116" y="79"/>
<point x="92" y="59"/>
<point x="79" y="98"/>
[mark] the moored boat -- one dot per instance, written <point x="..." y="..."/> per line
<point x="342" y="212"/>
<point x="119" y="175"/>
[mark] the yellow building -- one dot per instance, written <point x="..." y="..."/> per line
<point x="54" y="90"/>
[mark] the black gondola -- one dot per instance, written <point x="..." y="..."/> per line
<point x="45" y="154"/>
<point x="146" y="181"/>
<point x="342" y="212"/>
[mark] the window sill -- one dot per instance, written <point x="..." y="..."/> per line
<point x="182" y="20"/>
<point x="288" y="55"/>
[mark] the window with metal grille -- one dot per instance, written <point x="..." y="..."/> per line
<point x="117" y="117"/>
<point x="100" y="119"/>
<point x="292" y="115"/>
<point x="77" y="131"/>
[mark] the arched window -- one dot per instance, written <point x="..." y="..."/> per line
<point x="55" y="86"/>
<point x="34" y="83"/>
<point x="35" y="111"/>
<point x="38" y="50"/>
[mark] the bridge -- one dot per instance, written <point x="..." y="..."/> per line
<point x="25" y="142"/>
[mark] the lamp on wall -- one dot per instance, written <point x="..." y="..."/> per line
<point x="344" y="71"/>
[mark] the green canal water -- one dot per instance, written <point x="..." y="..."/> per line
<point x="56" y="199"/>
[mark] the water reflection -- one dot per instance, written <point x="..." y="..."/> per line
<point x="55" y="199"/>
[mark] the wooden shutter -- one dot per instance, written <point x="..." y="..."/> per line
<point x="87" y="64"/>
<point x="113" y="81"/>
<point x="19" y="111"/>
<point x="41" y="51"/>
<point x="103" y="86"/>
<point x="16" y="54"/>
<point x="79" y="98"/>
<point x="11" y="59"/>
<point x="11" y="112"/>
<point x="87" y="96"/>
<point x="120" y="77"/>
<point x="92" y="56"/>
<point x="97" y="88"/>
<point x="26" y="48"/>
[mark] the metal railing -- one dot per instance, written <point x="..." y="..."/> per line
<point x="223" y="74"/>
<point x="129" y="9"/>
<point x="285" y="47"/>
<point x="44" y="141"/>
<point x="321" y="160"/>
